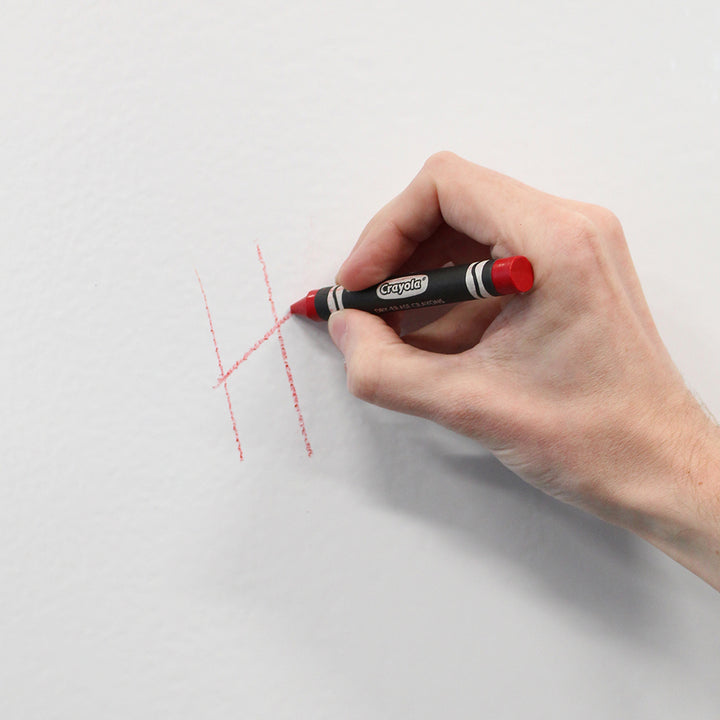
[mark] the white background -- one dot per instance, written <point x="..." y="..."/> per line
<point x="400" y="572"/>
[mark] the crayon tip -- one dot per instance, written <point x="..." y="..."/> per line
<point x="305" y="307"/>
<point x="299" y="307"/>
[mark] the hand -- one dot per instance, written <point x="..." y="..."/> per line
<point x="569" y="385"/>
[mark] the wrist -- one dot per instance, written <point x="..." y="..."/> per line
<point x="675" y="505"/>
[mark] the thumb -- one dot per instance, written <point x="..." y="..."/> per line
<point x="385" y="371"/>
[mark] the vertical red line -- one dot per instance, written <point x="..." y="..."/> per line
<point x="220" y="366"/>
<point x="283" y="351"/>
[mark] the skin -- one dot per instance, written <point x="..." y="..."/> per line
<point x="569" y="385"/>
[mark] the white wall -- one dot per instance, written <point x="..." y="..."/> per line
<point x="399" y="572"/>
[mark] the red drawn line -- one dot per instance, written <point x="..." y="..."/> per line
<point x="223" y="378"/>
<point x="220" y="365"/>
<point x="296" y="402"/>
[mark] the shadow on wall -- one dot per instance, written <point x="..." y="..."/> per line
<point x="566" y="553"/>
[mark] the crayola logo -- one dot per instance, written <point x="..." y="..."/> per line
<point x="403" y="287"/>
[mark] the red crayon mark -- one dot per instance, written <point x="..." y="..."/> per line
<point x="220" y="365"/>
<point x="223" y="378"/>
<point x="283" y="351"/>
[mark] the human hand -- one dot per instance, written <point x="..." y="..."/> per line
<point x="570" y="385"/>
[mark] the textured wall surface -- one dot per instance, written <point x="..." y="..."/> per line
<point x="399" y="572"/>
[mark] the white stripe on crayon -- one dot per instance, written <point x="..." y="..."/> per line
<point x="470" y="277"/>
<point x="469" y="282"/>
<point x="334" y="298"/>
<point x="484" y="292"/>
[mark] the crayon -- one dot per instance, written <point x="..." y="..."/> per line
<point x="486" y="278"/>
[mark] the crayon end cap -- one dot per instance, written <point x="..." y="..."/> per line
<point x="512" y="275"/>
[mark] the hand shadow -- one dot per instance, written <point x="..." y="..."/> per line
<point x="467" y="493"/>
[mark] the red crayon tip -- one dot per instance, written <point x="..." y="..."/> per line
<point x="306" y="306"/>
<point x="298" y="308"/>
<point x="512" y="275"/>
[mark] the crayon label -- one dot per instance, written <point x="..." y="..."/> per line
<point x="402" y="287"/>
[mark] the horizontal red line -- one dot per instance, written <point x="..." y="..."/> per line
<point x="223" y="378"/>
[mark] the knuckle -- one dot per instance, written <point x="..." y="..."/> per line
<point x="440" y="160"/>
<point x="591" y="238"/>
<point x="608" y="223"/>
<point x="363" y="377"/>
<point x="579" y="244"/>
<point x="574" y="232"/>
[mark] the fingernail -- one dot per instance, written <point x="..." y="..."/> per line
<point x="337" y="327"/>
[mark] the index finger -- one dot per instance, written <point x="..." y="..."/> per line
<point x="485" y="205"/>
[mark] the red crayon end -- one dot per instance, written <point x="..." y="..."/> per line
<point x="306" y="306"/>
<point x="512" y="275"/>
